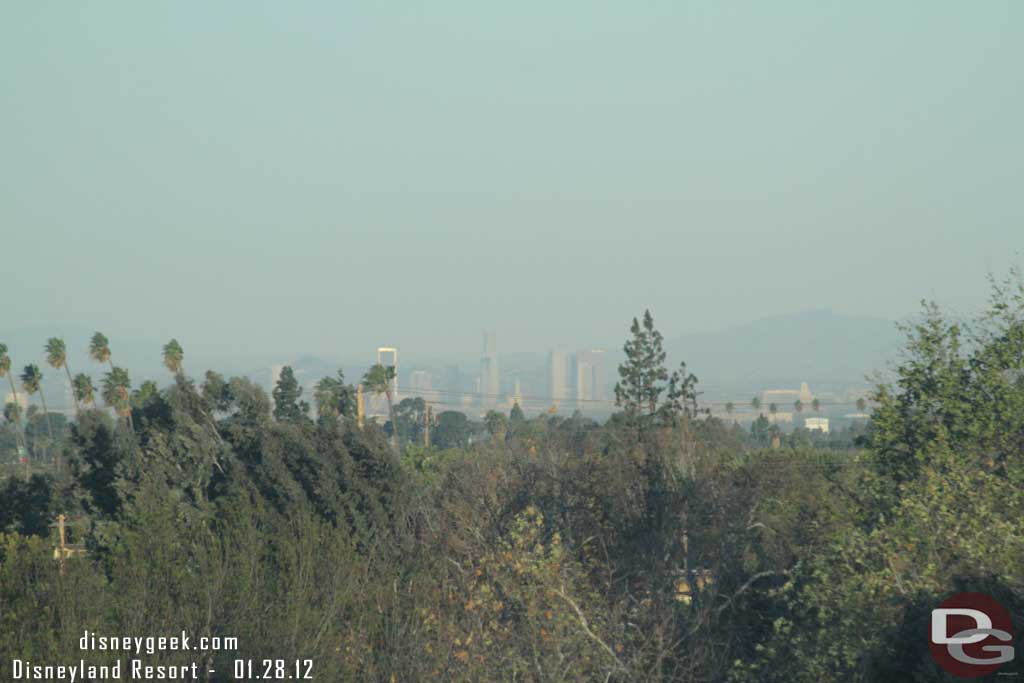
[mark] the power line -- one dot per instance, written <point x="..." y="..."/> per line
<point x="421" y="393"/>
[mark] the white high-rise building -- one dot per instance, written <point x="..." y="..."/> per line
<point x="558" y="376"/>
<point x="588" y="369"/>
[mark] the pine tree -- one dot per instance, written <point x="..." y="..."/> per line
<point x="637" y="390"/>
<point x="644" y="381"/>
<point x="287" y="395"/>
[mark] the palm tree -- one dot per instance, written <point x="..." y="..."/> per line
<point x="816" y="404"/>
<point x="116" y="384"/>
<point x="378" y="380"/>
<point x="173" y="355"/>
<point x="798" y="406"/>
<point x="755" y="403"/>
<point x="861" y="405"/>
<point x="116" y="392"/>
<point x="772" y="408"/>
<point x="5" y="369"/>
<point x="729" y="407"/>
<point x="32" y="381"/>
<point x="85" y="392"/>
<point x="57" y="357"/>
<point x="99" y="349"/>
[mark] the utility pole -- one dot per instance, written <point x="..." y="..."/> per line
<point x="359" y="406"/>
<point x="63" y="550"/>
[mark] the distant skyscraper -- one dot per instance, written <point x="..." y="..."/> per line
<point x="517" y="394"/>
<point x="558" y="376"/>
<point x="419" y="381"/>
<point x="589" y="375"/>
<point x="453" y="380"/>
<point x="490" y="378"/>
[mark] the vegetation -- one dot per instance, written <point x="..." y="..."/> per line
<point x="664" y="545"/>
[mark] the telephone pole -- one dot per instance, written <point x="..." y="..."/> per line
<point x="359" y="406"/>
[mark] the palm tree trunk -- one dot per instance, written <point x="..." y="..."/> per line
<point x="72" y="384"/>
<point x="391" y="413"/>
<point x="19" y="433"/>
<point x="49" y="430"/>
<point x="46" y="413"/>
<point x="128" y="407"/>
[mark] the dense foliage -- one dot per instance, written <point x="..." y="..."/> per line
<point x="665" y="545"/>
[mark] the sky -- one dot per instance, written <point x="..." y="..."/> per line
<point x="266" y="178"/>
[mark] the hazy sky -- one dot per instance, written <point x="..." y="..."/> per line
<point x="263" y="177"/>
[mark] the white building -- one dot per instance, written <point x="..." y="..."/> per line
<point x="558" y="376"/>
<point x="818" y="423"/>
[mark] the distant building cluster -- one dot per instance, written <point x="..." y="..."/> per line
<point x="576" y="380"/>
<point x="573" y="381"/>
<point x="570" y="382"/>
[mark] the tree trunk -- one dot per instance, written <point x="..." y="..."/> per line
<point x="49" y="430"/>
<point x="391" y="413"/>
<point x="19" y="434"/>
<point x="127" y="399"/>
<point x="71" y="382"/>
<point x="46" y="413"/>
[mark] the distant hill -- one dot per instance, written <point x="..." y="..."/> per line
<point x="826" y="349"/>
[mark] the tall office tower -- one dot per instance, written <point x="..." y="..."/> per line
<point x="558" y="376"/>
<point x="517" y="394"/>
<point x="589" y="375"/>
<point x="490" y="378"/>
<point x="453" y="380"/>
<point x="386" y="356"/>
<point x="419" y="381"/>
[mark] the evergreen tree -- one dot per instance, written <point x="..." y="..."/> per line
<point x="287" y="394"/>
<point x="638" y="389"/>
<point x="644" y="381"/>
<point x="497" y="425"/>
